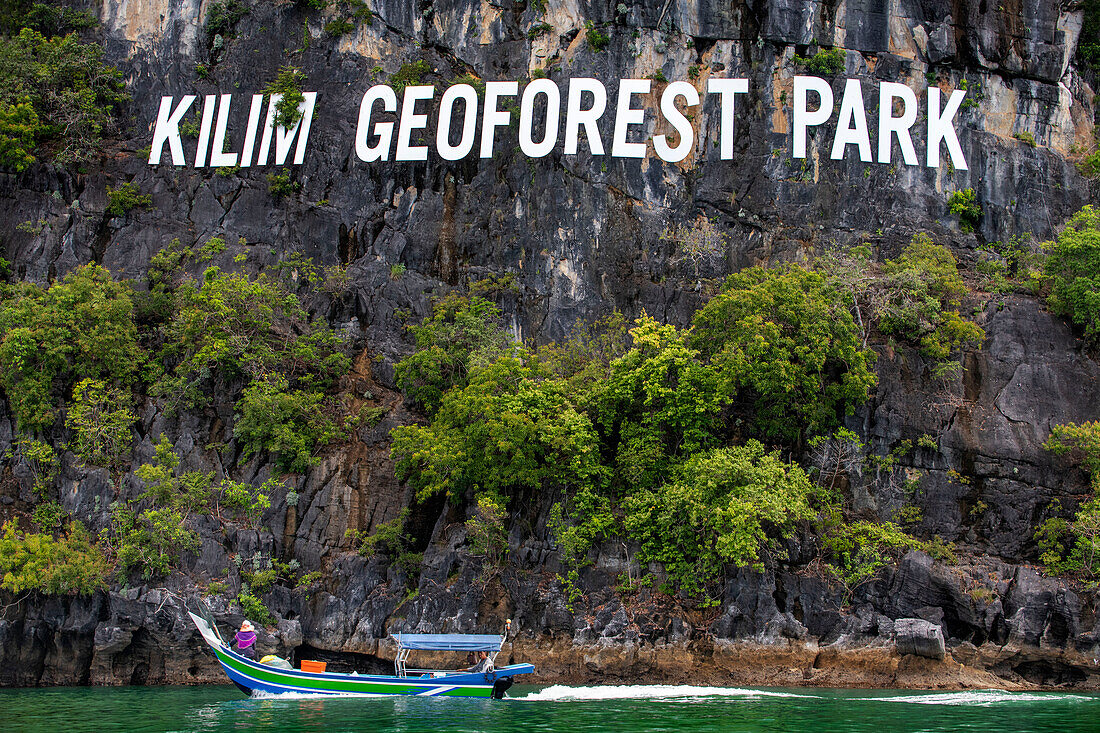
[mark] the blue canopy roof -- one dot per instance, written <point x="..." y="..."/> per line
<point x="450" y="642"/>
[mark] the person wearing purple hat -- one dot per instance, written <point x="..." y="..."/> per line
<point x="246" y="640"/>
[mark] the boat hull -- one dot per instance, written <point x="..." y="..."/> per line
<point x="252" y="677"/>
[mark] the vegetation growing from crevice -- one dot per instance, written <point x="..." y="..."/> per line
<point x="964" y="205"/>
<point x="80" y="328"/>
<point x="58" y="100"/>
<point x="826" y="62"/>
<point x="1072" y="270"/>
<point x="287" y="85"/>
<point x="410" y="74"/>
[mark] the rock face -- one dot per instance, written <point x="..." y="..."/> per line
<point x="920" y="637"/>
<point x="580" y="235"/>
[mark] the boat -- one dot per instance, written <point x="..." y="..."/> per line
<point x="254" y="677"/>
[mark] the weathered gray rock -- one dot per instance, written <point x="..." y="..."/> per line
<point x="581" y="235"/>
<point x="920" y="637"/>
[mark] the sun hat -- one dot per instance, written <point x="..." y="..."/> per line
<point x="247" y="626"/>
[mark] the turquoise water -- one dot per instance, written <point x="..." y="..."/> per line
<point x="558" y="708"/>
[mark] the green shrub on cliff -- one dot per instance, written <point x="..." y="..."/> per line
<point x="19" y="131"/>
<point x="288" y="85"/>
<point x="1073" y="270"/>
<point x="149" y="535"/>
<point x="856" y="551"/>
<point x="1071" y="547"/>
<point x="291" y="424"/>
<point x="125" y="198"/>
<point x="658" y="404"/>
<point x="922" y="294"/>
<point x="69" y="564"/>
<point x="509" y="429"/>
<point x="964" y="204"/>
<point x="727" y="505"/>
<point x="102" y="423"/>
<point x="826" y="62"/>
<point x="75" y="97"/>
<point x="228" y="329"/>
<point x="80" y="328"/>
<point x="460" y="334"/>
<point x="786" y="350"/>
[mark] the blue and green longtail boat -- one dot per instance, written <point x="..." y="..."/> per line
<point x="252" y="677"/>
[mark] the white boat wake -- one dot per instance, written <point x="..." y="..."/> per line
<point x="639" y="692"/>
<point x="979" y="698"/>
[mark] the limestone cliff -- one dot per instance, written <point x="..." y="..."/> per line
<point x="581" y="236"/>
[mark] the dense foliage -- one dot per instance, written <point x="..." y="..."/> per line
<point x="1072" y="546"/>
<point x="461" y="333"/>
<point x="70" y="564"/>
<point x="80" y="328"/>
<point x="783" y="345"/>
<point x="56" y="97"/>
<point x="724" y="505"/>
<point x="1073" y="272"/>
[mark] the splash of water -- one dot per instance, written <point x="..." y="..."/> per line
<point x="979" y="698"/>
<point x="638" y="692"/>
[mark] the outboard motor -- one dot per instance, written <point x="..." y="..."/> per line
<point x="500" y="687"/>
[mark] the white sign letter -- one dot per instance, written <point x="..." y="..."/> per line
<point x="469" y="122"/>
<point x="625" y="116"/>
<point x="494" y="118"/>
<point x="804" y="119"/>
<point x="575" y="116"/>
<point x="726" y="89"/>
<point x="204" y="130"/>
<point x="940" y="128"/>
<point x="250" y="134"/>
<point x="851" y="126"/>
<point x="888" y="125"/>
<point x="218" y="157"/>
<point x="678" y="121"/>
<point x="384" y="130"/>
<point x="410" y="121"/>
<point x="527" y="114"/>
<point x="168" y="129"/>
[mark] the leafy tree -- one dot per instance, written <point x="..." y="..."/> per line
<point x="75" y="97"/>
<point x="391" y="539"/>
<point x="72" y="564"/>
<point x="858" y="550"/>
<point x="292" y="424"/>
<point x="80" y="328"/>
<point x="1082" y="442"/>
<point x="659" y="403"/>
<point x="722" y="505"/>
<point x="151" y="534"/>
<point x="460" y="334"/>
<point x="923" y="292"/>
<point x="785" y="349"/>
<point x="964" y="204"/>
<point x="19" y="130"/>
<point x="508" y="429"/>
<point x="42" y="461"/>
<point x="237" y="329"/>
<point x="485" y="529"/>
<point x="101" y="421"/>
<point x="1071" y="547"/>
<point x="1073" y="271"/>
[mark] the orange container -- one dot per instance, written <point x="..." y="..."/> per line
<point x="311" y="666"/>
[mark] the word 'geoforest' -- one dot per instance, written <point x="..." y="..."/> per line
<point x="462" y="118"/>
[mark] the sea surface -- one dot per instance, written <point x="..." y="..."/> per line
<point x="675" y="708"/>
